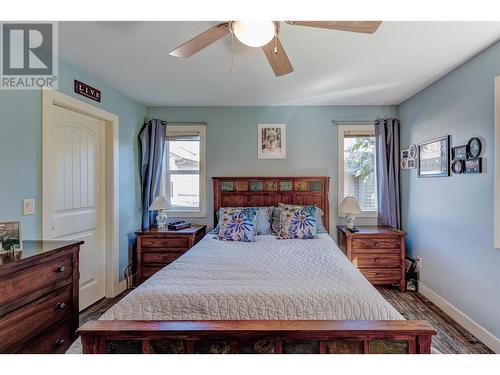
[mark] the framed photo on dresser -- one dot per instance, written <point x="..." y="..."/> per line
<point x="10" y="236"/>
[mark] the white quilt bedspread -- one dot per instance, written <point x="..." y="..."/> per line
<point x="268" y="279"/>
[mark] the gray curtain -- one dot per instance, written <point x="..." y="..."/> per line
<point x="152" y="142"/>
<point x="387" y="146"/>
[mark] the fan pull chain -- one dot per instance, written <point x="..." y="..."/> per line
<point x="232" y="52"/>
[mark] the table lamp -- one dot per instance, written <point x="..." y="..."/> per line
<point x="160" y="204"/>
<point x="350" y="207"/>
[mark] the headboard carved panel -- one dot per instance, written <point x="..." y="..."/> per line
<point x="269" y="191"/>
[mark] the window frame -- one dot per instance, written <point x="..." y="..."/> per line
<point x="353" y="129"/>
<point x="190" y="128"/>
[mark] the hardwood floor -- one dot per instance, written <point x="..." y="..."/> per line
<point x="451" y="338"/>
<point x="95" y="311"/>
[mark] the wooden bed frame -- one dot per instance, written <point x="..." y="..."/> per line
<point x="249" y="336"/>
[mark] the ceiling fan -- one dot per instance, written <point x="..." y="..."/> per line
<point x="264" y="34"/>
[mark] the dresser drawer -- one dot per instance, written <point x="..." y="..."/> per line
<point x="165" y="243"/>
<point x="382" y="275"/>
<point x="36" y="280"/>
<point x="375" y="243"/>
<point x="56" y="340"/>
<point x="158" y="257"/>
<point x="19" y="326"/>
<point x="376" y="259"/>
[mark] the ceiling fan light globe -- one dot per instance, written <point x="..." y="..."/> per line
<point x="254" y="33"/>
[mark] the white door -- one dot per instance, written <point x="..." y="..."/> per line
<point x="75" y="201"/>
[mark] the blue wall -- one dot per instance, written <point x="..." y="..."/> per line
<point x="20" y="152"/>
<point x="232" y="140"/>
<point x="450" y="219"/>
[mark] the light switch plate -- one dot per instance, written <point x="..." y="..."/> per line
<point x="28" y="207"/>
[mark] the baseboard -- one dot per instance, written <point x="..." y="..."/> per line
<point x="120" y="287"/>
<point x="486" y="337"/>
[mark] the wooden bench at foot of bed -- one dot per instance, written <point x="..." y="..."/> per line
<point x="257" y="336"/>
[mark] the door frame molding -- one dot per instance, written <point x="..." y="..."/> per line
<point x="496" y="108"/>
<point x="50" y="99"/>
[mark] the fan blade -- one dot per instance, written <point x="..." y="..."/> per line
<point x="278" y="59"/>
<point x="201" y="41"/>
<point x="367" y="27"/>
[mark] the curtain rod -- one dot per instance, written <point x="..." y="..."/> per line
<point x="340" y="122"/>
<point x="179" y="122"/>
<point x="186" y="123"/>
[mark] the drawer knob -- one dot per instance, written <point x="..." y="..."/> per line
<point x="376" y="260"/>
<point x="60" y="305"/>
<point x="376" y="243"/>
<point x="60" y="269"/>
<point x="59" y="342"/>
<point x="377" y="274"/>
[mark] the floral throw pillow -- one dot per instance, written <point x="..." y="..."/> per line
<point x="238" y="224"/>
<point x="297" y="222"/>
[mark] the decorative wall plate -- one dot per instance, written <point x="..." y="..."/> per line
<point x="404" y="164"/>
<point x="474" y="147"/>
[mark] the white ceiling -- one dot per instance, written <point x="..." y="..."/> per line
<point x="331" y="67"/>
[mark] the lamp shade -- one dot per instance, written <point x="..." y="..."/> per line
<point x="159" y="203"/>
<point x="350" y="206"/>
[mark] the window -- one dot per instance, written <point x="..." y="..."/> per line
<point x="183" y="174"/>
<point x="357" y="162"/>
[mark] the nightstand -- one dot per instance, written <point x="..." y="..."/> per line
<point x="158" y="247"/>
<point x="378" y="253"/>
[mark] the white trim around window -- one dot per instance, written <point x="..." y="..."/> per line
<point x="352" y="129"/>
<point x="190" y="129"/>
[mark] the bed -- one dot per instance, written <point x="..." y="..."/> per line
<point x="265" y="296"/>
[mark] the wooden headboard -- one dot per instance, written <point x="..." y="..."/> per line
<point x="269" y="191"/>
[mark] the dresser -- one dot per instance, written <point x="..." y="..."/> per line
<point x="39" y="288"/>
<point x="378" y="253"/>
<point x="158" y="247"/>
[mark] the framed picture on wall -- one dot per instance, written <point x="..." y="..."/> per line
<point x="405" y="154"/>
<point x="10" y="236"/>
<point x="459" y="152"/>
<point x="434" y="158"/>
<point x="473" y="165"/>
<point x="271" y="141"/>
